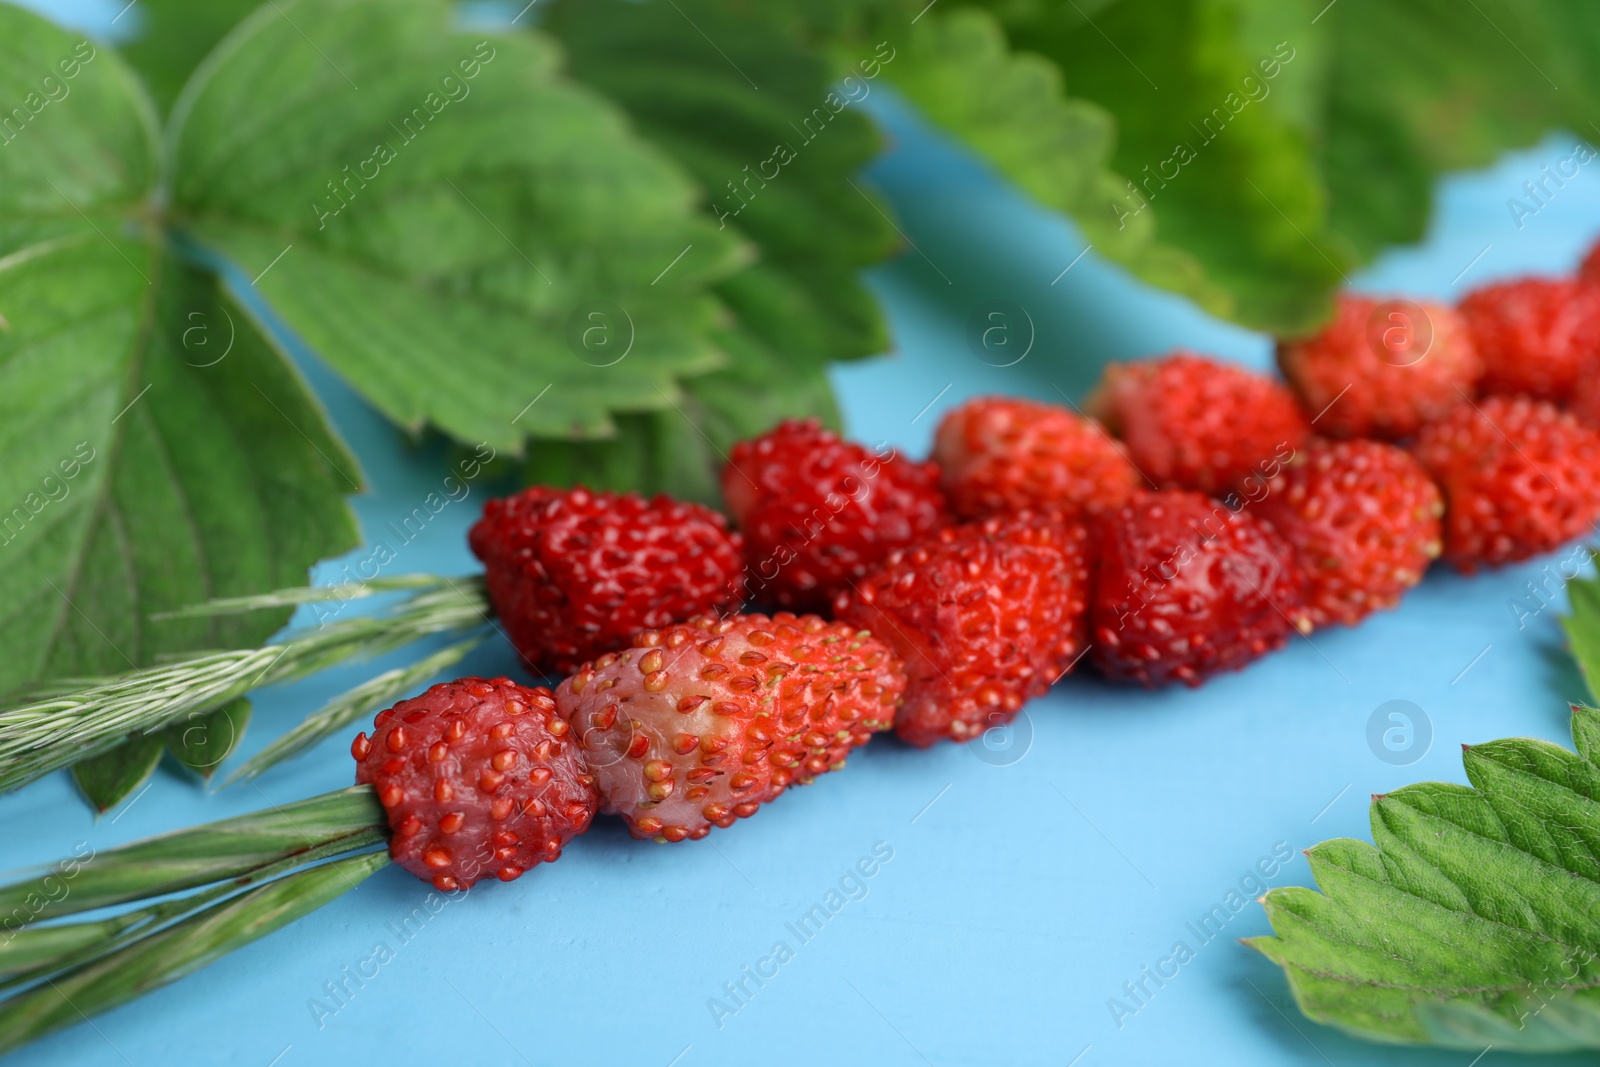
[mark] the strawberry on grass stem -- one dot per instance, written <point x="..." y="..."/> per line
<point x="1519" y="477"/>
<point x="477" y="777"/>
<point x="1187" y="587"/>
<point x="700" y="724"/>
<point x="574" y="573"/>
<point x="818" y="512"/>
<point x="1189" y="422"/>
<point x="1381" y="368"/>
<point x="1363" y="519"/>
<point x="984" y="615"/>
<point x="1000" y="455"/>
<point x="1537" y="336"/>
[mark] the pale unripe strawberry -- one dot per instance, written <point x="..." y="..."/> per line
<point x="700" y="724"/>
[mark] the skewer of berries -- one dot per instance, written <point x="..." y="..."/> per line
<point x="1200" y="518"/>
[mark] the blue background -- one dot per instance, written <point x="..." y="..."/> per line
<point x="1027" y="883"/>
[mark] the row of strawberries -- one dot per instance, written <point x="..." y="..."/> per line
<point x="1189" y="526"/>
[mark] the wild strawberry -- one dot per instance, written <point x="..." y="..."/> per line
<point x="1000" y="455"/>
<point x="1363" y="520"/>
<point x="478" y="778"/>
<point x="1187" y="588"/>
<point x="573" y="573"/>
<point x="818" y="513"/>
<point x="984" y="616"/>
<point x="1381" y="368"/>
<point x="1536" y="336"/>
<point x="1519" y="477"/>
<point x="1192" y="423"/>
<point x="700" y="724"/>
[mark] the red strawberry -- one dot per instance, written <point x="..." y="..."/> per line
<point x="1519" y="477"/>
<point x="572" y="573"/>
<point x="700" y="724"/>
<point x="1363" y="520"/>
<point x="818" y="512"/>
<point x="1536" y="336"/>
<point x="1192" y="423"/>
<point x="984" y="615"/>
<point x="477" y="777"/>
<point x="1187" y="588"/>
<point x="1000" y="455"/>
<point x="1382" y="368"/>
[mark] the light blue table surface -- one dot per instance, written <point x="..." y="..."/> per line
<point x="1025" y="887"/>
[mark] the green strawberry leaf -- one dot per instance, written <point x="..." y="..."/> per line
<point x="173" y="36"/>
<point x="430" y="210"/>
<point x="1583" y="629"/>
<point x="1419" y="87"/>
<point x="204" y="742"/>
<point x="738" y="402"/>
<point x="759" y="119"/>
<point x="683" y="451"/>
<point x="777" y="161"/>
<point x="159" y="451"/>
<point x="1215" y="105"/>
<point x="165" y="473"/>
<point x="1470" y="920"/>
<point x="802" y="297"/>
<point x="1586" y="733"/>
<point x="110" y="778"/>
<point x="65" y="169"/>
<point x="1011" y="108"/>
